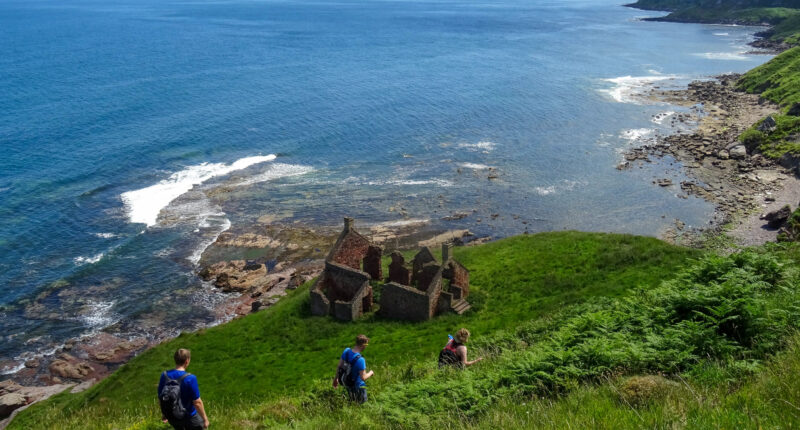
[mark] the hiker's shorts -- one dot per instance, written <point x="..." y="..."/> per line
<point x="195" y="422"/>
<point x="357" y="394"/>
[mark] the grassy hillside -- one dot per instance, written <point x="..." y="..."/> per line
<point x="777" y="80"/>
<point x="563" y="319"/>
<point x="285" y="350"/>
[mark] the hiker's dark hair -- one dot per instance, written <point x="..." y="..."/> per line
<point x="182" y="356"/>
<point x="362" y="340"/>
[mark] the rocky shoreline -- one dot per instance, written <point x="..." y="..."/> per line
<point x="740" y="183"/>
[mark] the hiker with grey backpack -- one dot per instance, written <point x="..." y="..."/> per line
<point x="179" y="396"/>
<point x="352" y="371"/>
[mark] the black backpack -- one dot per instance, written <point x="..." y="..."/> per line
<point x="170" y="398"/>
<point x="448" y="356"/>
<point x="345" y="372"/>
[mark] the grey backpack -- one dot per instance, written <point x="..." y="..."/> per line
<point x="170" y="398"/>
<point x="345" y="373"/>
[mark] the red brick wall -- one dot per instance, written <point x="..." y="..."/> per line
<point x="351" y="251"/>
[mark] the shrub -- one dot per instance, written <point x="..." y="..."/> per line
<point x="752" y="138"/>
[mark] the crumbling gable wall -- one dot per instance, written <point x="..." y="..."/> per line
<point x="350" y="248"/>
<point x="398" y="272"/>
<point x="343" y="290"/>
<point x="372" y="262"/>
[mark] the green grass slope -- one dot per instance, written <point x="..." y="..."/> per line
<point x="777" y="80"/>
<point x="286" y="351"/>
<point x="566" y="321"/>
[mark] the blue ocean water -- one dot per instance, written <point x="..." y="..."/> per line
<point x="117" y="117"/>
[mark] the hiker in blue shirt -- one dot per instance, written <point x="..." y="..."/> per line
<point x="352" y="371"/>
<point x="186" y="402"/>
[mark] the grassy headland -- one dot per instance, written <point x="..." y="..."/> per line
<point x="563" y="318"/>
<point x="782" y="15"/>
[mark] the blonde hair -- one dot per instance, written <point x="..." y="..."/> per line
<point x="362" y="340"/>
<point x="462" y="335"/>
<point x="182" y="356"/>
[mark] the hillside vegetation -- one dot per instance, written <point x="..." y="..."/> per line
<point x="566" y="321"/>
<point x="777" y="80"/>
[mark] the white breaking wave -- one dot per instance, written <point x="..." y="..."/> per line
<point x="99" y="315"/>
<point x="439" y="182"/>
<point x="565" y="185"/>
<point x="198" y="252"/>
<point x="88" y="260"/>
<point x="144" y="205"/>
<point x="734" y="56"/>
<point x="721" y="34"/>
<point x="277" y="170"/>
<point x="659" y="118"/>
<point x="628" y="88"/>
<point x="105" y="235"/>
<point x="637" y="134"/>
<point x="484" y="145"/>
<point x="474" y="166"/>
<point x="9" y="370"/>
<point x="402" y="223"/>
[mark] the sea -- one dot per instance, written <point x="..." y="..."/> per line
<point x="134" y="132"/>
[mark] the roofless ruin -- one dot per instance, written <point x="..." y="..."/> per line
<point x="416" y="292"/>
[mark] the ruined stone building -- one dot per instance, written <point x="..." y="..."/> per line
<point x="425" y="288"/>
<point x="343" y="290"/>
<point x="415" y="292"/>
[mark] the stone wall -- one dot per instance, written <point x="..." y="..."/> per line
<point x="426" y="276"/>
<point x="398" y="272"/>
<point x="342" y="282"/>
<point x="404" y="303"/>
<point x="372" y="262"/>
<point x="320" y="305"/>
<point x="460" y="277"/>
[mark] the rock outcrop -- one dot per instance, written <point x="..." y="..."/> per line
<point x="776" y="219"/>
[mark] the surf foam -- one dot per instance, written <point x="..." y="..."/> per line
<point x="143" y="205"/>
<point x="80" y="261"/>
<point x="277" y="170"/>
<point x="637" y="134"/>
<point x="728" y="56"/>
<point x="659" y="118"/>
<point x="474" y="166"/>
<point x="484" y="145"/>
<point x="628" y="89"/>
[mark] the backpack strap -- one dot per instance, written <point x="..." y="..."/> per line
<point x="183" y="377"/>
<point x="354" y="359"/>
